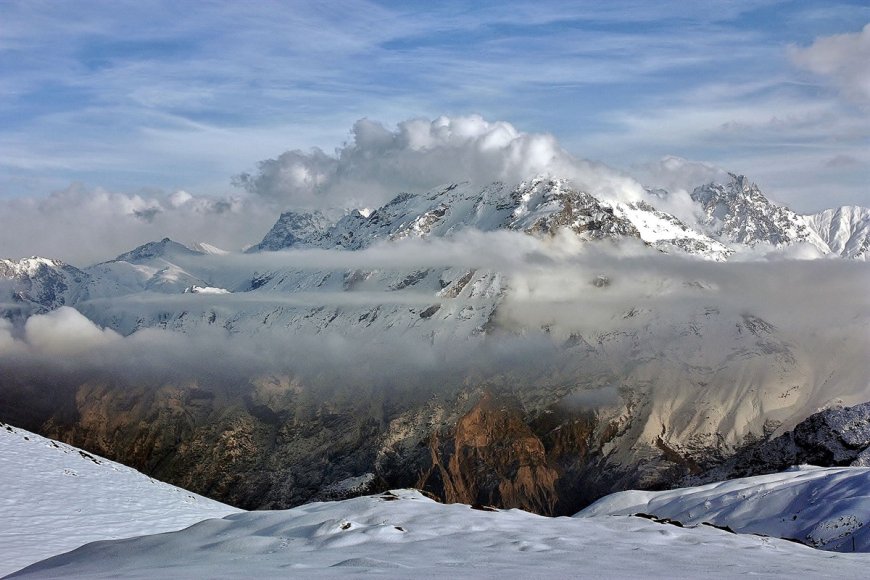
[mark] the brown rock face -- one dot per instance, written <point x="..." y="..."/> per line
<point x="274" y="444"/>
<point x="492" y="457"/>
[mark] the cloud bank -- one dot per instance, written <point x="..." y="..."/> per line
<point x="552" y="294"/>
<point x="82" y="226"/>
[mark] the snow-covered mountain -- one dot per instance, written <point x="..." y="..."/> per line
<point x="402" y="533"/>
<point x="32" y="285"/>
<point x="151" y="267"/>
<point x="683" y="364"/>
<point x="845" y="229"/>
<point x="294" y="229"/>
<point x="735" y="216"/>
<point x="737" y="212"/>
<point x="826" y="508"/>
<point x="539" y="206"/>
<point x="57" y="497"/>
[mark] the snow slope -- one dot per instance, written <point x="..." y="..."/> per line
<point x="827" y="508"/>
<point x="845" y="229"/>
<point x="403" y="534"/>
<point x="56" y="497"/>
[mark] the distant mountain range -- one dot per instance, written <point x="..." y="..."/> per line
<point x="731" y="218"/>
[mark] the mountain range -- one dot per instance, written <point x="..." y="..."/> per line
<point x="728" y="219"/>
<point x="524" y="345"/>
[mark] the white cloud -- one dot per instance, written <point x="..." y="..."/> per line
<point x="82" y="226"/>
<point x="844" y="58"/>
<point x="7" y="341"/>
<point x="421" y="154"/>
<point x="66" y="332"/>
<point x="551" y="284"/>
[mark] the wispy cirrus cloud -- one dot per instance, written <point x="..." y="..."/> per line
<point x="127" y="95"/>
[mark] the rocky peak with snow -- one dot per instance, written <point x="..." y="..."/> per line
<point x="737" y="212"/>
<point x="40" y="284"/>
<point x="540" y="206"/>
<point x="294" y="229"/>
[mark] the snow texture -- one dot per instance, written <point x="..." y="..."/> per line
<point x="56" y="497"/>
<point x="403" y="534"/>
<point x="826" y="508"/>
<point x="845" y="229"/>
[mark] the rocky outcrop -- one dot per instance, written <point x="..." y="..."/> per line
<point x="491" y="457"/>
<point x="738" y="212"/>
<point x="833" y="437"/>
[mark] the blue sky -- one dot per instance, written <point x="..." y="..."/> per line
<point x="152" y="95"/>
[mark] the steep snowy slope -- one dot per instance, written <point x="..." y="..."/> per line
<point x="827" y="508"/>
<point x="55" y="498"/>
<point x="845" y="229"/>
<point x="403" y="534"/>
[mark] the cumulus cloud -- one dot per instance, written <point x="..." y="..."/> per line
<point x="65" y="332"/>
<point x="679" y="177"/>
<point x="844" y="58"/>
<point x="420" y="154"/>
<point x="678" y="174"/>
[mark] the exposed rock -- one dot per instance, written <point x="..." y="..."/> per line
<point x="833" y="437"/>
<point x="491" y="457"/>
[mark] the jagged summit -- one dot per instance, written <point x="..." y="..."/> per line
<point x="164" y="247"/>
<point x="294" y="229"/>
<point x="27" y="266"/>
<point x="737" y="212"/>
<point x="540" y="206"/>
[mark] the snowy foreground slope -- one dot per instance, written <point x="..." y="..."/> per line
<point x="55" y="498"/>
<point x="827" y="508"/>
<point x="403" y="534"/>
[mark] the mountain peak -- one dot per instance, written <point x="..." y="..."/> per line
<point x="152" y="250"/>
<point x="28" y="265"/>
<point x="539" y="206"/>
<point x="40" y="284"/>
<point x="294" y="229"/>
<point x="738" y="212"/>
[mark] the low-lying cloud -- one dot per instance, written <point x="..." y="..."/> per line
<point x="555" y="289"/>
<point x="82" y="226"/>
